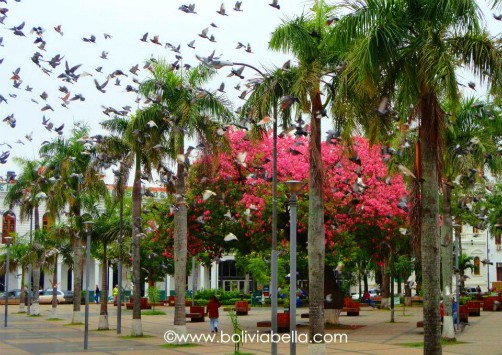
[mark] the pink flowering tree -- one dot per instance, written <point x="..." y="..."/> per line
<point x="361" y="199"/>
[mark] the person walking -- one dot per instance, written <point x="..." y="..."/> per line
<point x="115" y="293"/>
<point x="96" y="294"/>
<point x="213" y="313"/>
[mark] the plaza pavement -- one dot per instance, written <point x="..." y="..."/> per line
<point x="38" y="335"/>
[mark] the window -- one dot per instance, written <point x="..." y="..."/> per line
<point x="8" y="225"/>
<point x="46" y="222"/>
<point x="497" y="239"/>
<point x="475" y="230"/>
<point x="477" y="270"/>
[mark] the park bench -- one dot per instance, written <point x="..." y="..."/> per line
<point x="242" y="307"/>
<point x="196" y="314"/>
<point x="352" y="308"/>
<point x="282" y="323"/>
<point x="488" y="302"/>
<point x="143" y="302"/>
<point x="170" y="301"/>
<point x="474" y="308"/>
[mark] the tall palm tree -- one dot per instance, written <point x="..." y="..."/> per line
<point x="116" y="149"/>
<point x="406" y="52"/>
<point x="28" y="192"/>
<point x="307" y="38"/>
<point x="470" y="145"/>
<point x="130" y="145"/>
<point x="75" y="187"/>
<point x="181" y="109"/>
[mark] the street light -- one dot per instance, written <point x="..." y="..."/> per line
<point x="457" y="271"/>
<point x="7" y="262"/>
<point x="218" y="64"/>
<point x="119" y="268"/>
<point x="88" y="228"/>
<point x="294" y="188"/>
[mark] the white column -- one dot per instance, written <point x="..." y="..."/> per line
<point x="19" y="272"/>
<point x="201" y="283"/>
<point x="110" y="281"/>
<point x="214" y="275"/>
<point x="59" y="270"/>
<point x="72" y="280"/>
<point x="97" y="273"/>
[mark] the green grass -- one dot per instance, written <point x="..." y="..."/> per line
<point x="53" y="319"/>
<point x="136" y="337"/>
<point x="103" y="330"/>
<point x="35" y="315"/>
<point x="239" y="353"/>
<point x="174" y="346"/>
<point x="420" y="344"/>
<point x="70" y="324"/>
<point x="20" y="312"/>
<point x="152" y="313"/>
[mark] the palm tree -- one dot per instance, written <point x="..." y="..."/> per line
<point x="58" y="246"/>
<point x="28" y="191"/>
<point x="116" y="149"/>
<point x="406" y="52"/>
<point x="307" y="38"/>
<point x="470" y="144"/>
<point x="75" y="187"/>
<point x="465" y="262"/>
<point x="181" y="109"/>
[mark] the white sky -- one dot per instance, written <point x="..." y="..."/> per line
<point x="126" y="21"/>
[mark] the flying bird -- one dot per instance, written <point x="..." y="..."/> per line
<point x="238" y="5"/>
<point x="222" y="11"/>
<point x="275" y="4"/>
<point x="229" y="237"/>
<point x="99" y="86"/>
<point x="91" y="39"/>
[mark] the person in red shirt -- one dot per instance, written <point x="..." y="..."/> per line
<point x="213" y="313"/>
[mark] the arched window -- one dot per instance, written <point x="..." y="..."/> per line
<point x="477" y="269"/>
<point x="8" y="225"/>
<point x="46" y="222"/>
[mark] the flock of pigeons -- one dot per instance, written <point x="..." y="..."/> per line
<point x="73" y="88"/>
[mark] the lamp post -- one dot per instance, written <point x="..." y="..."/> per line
<point x="488" y="257"/>
<point x="7" y="262"/>
<point x="88" y="228"/>
<point x="457" y="271"/>
<point x="294" y="188"/>
<point x="218" y="64"/>
<point x="119" y="268"/>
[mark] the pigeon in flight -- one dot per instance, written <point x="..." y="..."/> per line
<point x="275" y="4"/>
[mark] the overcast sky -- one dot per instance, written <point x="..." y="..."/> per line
<point x="126" y="21"/>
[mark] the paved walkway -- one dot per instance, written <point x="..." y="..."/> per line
<point x="39" y="335"/>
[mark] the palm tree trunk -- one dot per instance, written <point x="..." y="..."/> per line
<point x="136" y="328"/>
<point x="77" y="278"/>
<point x="430" y="239"/>
<point x="55" y="287"/>
<point x="180" y="252"/>
<point x="103" y="312"/>
<point x="35" y="307"/>
<point x="447" y="264"/>
<point x="316" y="231"/>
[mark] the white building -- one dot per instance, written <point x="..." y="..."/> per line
<point x="221" y="274"/>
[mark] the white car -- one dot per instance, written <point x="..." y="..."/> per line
<point x="373" y="292"/>
<point x="45" y="296"/>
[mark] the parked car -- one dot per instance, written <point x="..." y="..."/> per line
<point x="68" y="296"/>
<point x="45" y="296"/>
<point x="372" y="291"/>
<point x="471" y="291"/>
